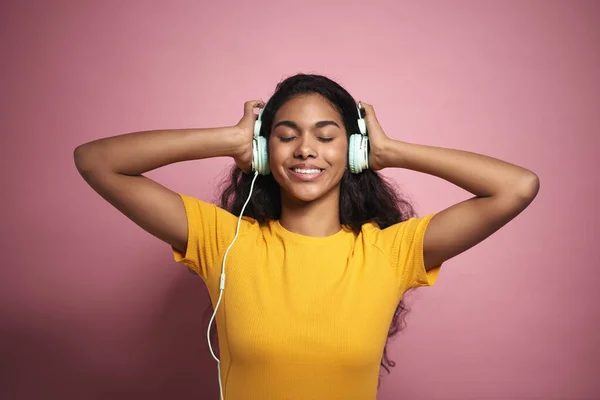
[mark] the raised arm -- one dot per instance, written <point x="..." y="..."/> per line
<point x="113" y="167"/>
<point x="501" y="190"/>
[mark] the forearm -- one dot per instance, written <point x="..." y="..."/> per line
<point x="479" y="174"/>
<point x="139" y="152"/>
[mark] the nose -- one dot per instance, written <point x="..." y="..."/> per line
<point x="305" y="148"/>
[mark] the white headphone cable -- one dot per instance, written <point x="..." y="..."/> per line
<point x="222" y="283"/>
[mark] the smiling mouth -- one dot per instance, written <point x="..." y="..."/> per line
<point x="307" y="171"/>
<point x="306" y="174"/>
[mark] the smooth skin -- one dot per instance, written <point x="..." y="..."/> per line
<point x="307" y="129"/>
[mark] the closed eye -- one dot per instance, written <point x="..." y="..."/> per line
<point x="289" y="139"/>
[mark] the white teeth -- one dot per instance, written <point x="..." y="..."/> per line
<point x="306" y="171"/>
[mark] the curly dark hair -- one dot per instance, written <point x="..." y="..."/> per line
<point x="365" y="197"/>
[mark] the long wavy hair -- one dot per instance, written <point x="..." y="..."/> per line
<point x="365" y="197"/>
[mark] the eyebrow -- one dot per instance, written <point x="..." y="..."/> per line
<point x="293" y="125"/>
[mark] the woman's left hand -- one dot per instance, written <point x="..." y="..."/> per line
<point x="378" y="140"/>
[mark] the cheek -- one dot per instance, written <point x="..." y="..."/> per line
<point x="274" y="152"/>
<point x="337" y="156"/>
<point x="276" y="158"/>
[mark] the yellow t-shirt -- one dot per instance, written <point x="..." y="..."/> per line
<point x="302" y="317"/>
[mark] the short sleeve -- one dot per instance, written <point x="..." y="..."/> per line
<point x="404" y="243"/>
<point x="210" y="231"/>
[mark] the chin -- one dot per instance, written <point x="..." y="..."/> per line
<point x="303" y="195"/>
<point x="305" y="192"/>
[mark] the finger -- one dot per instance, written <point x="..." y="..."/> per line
<point x="364" y="105"/>
<point x="369" y="110"/>
<point x="255" y="102"/>
<point x="249" y="106"/>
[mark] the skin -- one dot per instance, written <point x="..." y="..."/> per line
<point x="307" y="129"/>
<point x="114" y="167"/>
<point x="501" y="190"/>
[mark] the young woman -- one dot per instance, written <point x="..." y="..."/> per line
<point x="323" y="253"/>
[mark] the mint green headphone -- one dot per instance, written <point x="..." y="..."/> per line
<point x="358" y="147"/>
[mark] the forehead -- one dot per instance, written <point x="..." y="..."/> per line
<point x="307" y="107"/>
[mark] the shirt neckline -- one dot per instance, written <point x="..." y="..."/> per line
<point x="309" y="239"/>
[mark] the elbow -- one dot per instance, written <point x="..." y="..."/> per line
<point x="80" y="157"/>
<point x="83" y="156"/>
<point x="528" y="187"/>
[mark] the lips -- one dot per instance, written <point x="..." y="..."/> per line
<point x="305" y="173"/>
<point x="305" y="166"/>
<point x="307" y="170"/>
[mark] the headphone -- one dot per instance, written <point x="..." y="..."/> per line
<point x="358" y="147"/>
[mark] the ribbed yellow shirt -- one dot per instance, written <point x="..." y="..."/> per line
<point x="302" y="317"/>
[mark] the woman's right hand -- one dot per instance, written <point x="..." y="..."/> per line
<point x="243" y="157"/>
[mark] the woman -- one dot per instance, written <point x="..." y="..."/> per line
<point x="322" y="256"/>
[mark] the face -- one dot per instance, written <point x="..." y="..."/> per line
<point x="308" y="148"/>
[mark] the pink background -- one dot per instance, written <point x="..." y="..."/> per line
<point x="92" y="307"/>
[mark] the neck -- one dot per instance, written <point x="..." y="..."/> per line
<point x="316" y="218"/>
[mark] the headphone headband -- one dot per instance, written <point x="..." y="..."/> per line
<point x="362" y="125"/>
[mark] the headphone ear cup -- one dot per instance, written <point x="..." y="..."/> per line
<point x="353" y="153"/>
<point x="257" y="126"/>
<point x="264" y="154"/>
<point x="260" y="156"/>
<point x="362" y="125"/>
<point x="358" y="153"/>
<point x="364" y="150"/>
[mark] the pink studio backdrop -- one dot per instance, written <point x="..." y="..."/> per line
<point x="92" y="307"/>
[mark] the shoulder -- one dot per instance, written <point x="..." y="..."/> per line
<point x="400" y="231"/>
<point x="207" y="214"/>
